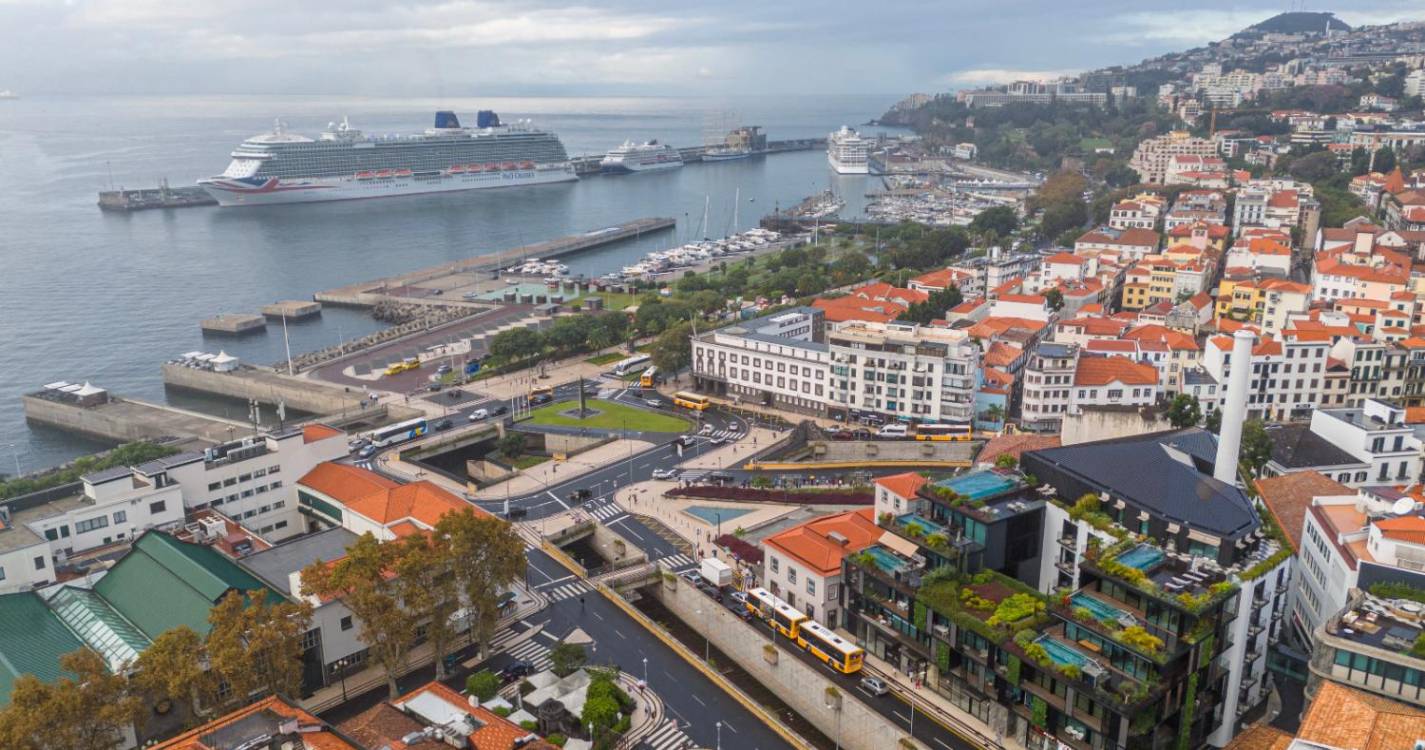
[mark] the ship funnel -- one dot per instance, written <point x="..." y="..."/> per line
<point x="486" y="118"/>
<point x="446" y="119"/>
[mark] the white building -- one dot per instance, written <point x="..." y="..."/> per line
<point x="803" y="563"/>
<point x="1112" y="381"/>
<point x="1047" y="382"/>
<point x="902" y="371"/>
<point x="779" y="361"/>
<point x="1375" y="434"/>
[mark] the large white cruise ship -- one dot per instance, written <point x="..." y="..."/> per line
<point x="641" y="157"/>
<point x="847" y="152"/>
<point x="344" y="164"/>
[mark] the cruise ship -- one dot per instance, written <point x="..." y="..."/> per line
<point x="847" y="152"/>
<point x="344" y="164"/>
<point x="641" y="157"/>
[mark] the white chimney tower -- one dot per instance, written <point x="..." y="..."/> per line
<point x="1234" y="408"/>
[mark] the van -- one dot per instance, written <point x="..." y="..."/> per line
<point x="895" y="429"/>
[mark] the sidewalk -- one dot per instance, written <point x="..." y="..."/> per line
<point x="728" y="456"/>
<point x="646" y="499"/>
<point x="939" y="708"/>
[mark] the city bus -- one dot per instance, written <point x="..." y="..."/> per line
<point x="780" y="615"/>
<point x="626" y="366"/>
<point x="839" y="653"/>
<point x="541" y="394"/>
<point x="649" y="378"/>
<point x="694" y="401"/>
<point x="398" y="433"/>
<point x="940" y="432"/>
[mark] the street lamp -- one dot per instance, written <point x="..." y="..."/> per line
<point x="719" y="735"/>
<point x="645" y="672"/>
<point x="837" y="709"/>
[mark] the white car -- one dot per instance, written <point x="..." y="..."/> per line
<point x="706" y="430"/>
<point x="479" y="414"/>
<point x="874" y="686"/>
<point x="664" y="474"/>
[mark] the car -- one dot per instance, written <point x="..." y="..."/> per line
<point x="664" y="473"/>
<point x="366" y="452"/>
<point x="443" y="369"/>
<point x="739" y="597"/>
<point x="517" y="513"/>
<point x="874" y="686"/>
<point x="734" y="428"/>
<point x="499" y="409"/>
<point x="515" y="671"/>
<point x="745" y="614"/>
<point x="691" y="576"/>
<point x="842" y="435"/>
<point x="357" y="444"/>
<point x="435" y="387"/>
<point x="443" y="424"/>
<point x="710" y="590"/>
<point x="542" y="398"/>
<point x="579" y="496"/>
<point x="718" y="476"/>
<point x="478" y="414"/>
<point x="653" y="403"/>
<point x="706" y="430"/>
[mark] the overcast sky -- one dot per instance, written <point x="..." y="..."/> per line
<point x="514" y="47"/>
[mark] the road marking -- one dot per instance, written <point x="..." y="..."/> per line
<point x="699" y="700"/>
<point x="626" y="529"/>
<point x="941" y="743"/>
<point x="898" y="714"/>
<point x="618" y="633"/>
<point x="556" y="499"/>
<point x="556" y="580"/>
<point x="549" y="635"/>
<point x="728" y="724"/>
<point x="537" y="570"/>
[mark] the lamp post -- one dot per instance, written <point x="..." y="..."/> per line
<point x="645" y="671"/>
<point x="837" y="709"/>
<point x="341" y="665"/>
<point x="719" y="735"/>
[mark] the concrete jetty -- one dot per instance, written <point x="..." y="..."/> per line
<point x="399" y="288"/>
<point x="292" y="309"/>
<point x="269" y="387"/>
<point x="234" y="324"/>
<point x="125" y="419"/>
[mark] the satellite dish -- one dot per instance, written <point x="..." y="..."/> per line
<point x="1402" y="506"/>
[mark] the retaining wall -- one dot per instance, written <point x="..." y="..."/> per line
<point x="265" y="386"/>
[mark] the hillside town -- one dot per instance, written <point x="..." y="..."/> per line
<point x="1107" y="432"/>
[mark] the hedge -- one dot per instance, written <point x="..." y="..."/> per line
<point x="752" y="495"/>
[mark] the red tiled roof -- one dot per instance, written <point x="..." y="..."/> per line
<point x="1015" y="445"/>
<point x="315" y="432"/>
<point x="903" y="485"/>
<point x="1403" y="528"/>
<point x="1288" y="496"/>
<point x="1097" y="371"/>
<point x="810" y="545"/>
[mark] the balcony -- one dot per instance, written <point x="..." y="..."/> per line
<point x="1069" y="541"/>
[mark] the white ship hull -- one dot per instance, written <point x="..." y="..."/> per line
<point x="633" y="167"/>
<point x="845" y="168"/>
<point x="272" y="191"/>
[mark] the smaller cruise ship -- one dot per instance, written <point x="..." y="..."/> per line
<point x="848" y="152"/>
<point x="641" y="157"/>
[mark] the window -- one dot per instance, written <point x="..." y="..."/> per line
<point x="90" y="524"/>
<point x="214" y="486"/>
<point x="346" y="623"/>
<point x="791" y="575"/>
<point x="121" y="516"/>
<point x="156" y="507"/>
<point x="229" y="482"/>
<point x="2" y="572"/>
<point x="40" y="562"/>
<point x="775" y="565"/>
<point x="52" y="534"/>
<point x="280" y="525"/>
<point x="244" y="477"/>
<point x="811" y="587"/>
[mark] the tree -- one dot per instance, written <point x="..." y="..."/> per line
<point x="1055" y="298"/>
<point x="600" y="712"/>
<point x="1120" y="175"/>
<point x="1316" y="166"/>
<point x="363" y="581"/>
<point x="172" y="668"/>
<point x="487" y="556"/>
<point x="1213" y="423"/>
<point x="1000" y="220"/>
<point x="1385" y="159"/>
<point x="673" y="349"/>
<point x="1256" y="445"/>
<point x="88" y="711"/>
<point x="1006" y="461"/>
<point x="428" y="590"/>
<point x="995" y="413"/>
<point x="607" y="329"/>
<point x="511" y="446"/>
<point x="484" y="685"/>
<point x="934" y="307"/>
<point x="516" y="344"/>
<point x="1184" y="411"/>
<point x="1063" y="217"/>
<point x="566" y="657"/>
<point x="254" y="645"/>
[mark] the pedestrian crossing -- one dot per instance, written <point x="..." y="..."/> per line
<point x="364" y="463"/>
<point x="677" y="562"/>
<point x="532" y="652"/>
<point x="606" y="511"/>
<point x="567" y="591"/>
<point x="667" y="737"/>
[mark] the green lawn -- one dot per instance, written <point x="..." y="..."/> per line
<point x="524" y="462"/>
<point x="611" y="416"/>
<point x="605" y="359"/>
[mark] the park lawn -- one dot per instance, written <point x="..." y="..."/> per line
<point x="605" y="359"/>
<point x="611" y="416"/>
<point x="612" y="300"/>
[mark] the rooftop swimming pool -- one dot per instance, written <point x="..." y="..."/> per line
<point x="1062" y="654"/>
<point x="1142" y="557"/>
<point x="978" y="485"/>
<point x="713" y="515"/>
<point x="1100" y="609"/>
<point x="913" y="520"/>
<point x="885" y="559"/>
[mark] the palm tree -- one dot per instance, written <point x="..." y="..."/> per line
<point x="995" y="413"/>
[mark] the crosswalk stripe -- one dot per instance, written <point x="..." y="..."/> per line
<point x="666" y="737"/>
<point x="566" y="591"/>
<point x="676" y="561"/>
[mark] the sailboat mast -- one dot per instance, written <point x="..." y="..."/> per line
<point x="736" y="204"/>
<point x="707" y="201"/>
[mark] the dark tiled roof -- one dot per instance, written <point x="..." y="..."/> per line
<point x="277" y="564"/>
<point x="1163" y="473"/>
<point x="1295" y="446"/>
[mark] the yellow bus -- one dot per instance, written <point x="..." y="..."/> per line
<point x="782" y="617"/>
<point x="649" y="378"/>
<point x="940" y="432"/>
<point x="693" y="401"/>
<point x="839" y="653"/>
<point x="540" y="393"/>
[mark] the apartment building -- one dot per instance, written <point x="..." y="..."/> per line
<point x="1287" y="375"/>
<point x="781" y="361"/>
<point x="1047" y="382"/>
<point x="1150" y="159"/>
<point x="901" y="371"/>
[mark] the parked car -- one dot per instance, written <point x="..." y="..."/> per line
<point x="366" y="452"/>
<point x="739" y="597"/>
<point x="542" y="398"/>
<point x="517" y="670"/>
<point x="435" y="387"/>
<point x="443" y="424"/>
<point x="478" y="414"/>
<point x="517" y="513"/>
<point x="443" y="369"/>
<point x="706" y="430"/>
<point x="691" y="576"/>
<point x="718" y="440"/>
<point x="710" y="591"/>
<point x="874" y="686"/>
<point x="842" y="435"/>
<point x="718" y="476"/>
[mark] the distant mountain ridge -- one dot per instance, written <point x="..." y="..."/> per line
<point x="1298" y="22"/>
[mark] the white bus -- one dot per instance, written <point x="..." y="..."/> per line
<point x="632" y="363"/>
<point x="398" y="433"/>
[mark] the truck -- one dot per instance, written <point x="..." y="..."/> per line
<point x="715" y="572"/>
